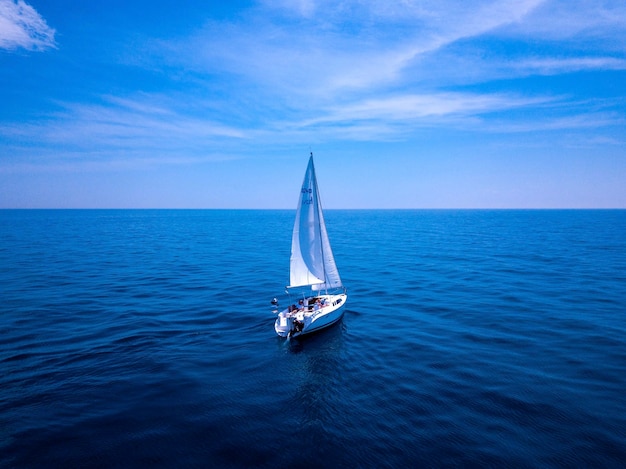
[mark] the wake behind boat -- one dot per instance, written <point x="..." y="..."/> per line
<point x="320" y="297"/>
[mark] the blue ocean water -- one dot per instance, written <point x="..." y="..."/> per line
<point x="471" y="338"/>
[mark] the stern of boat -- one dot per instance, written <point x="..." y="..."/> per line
<point x="283" y="324"/>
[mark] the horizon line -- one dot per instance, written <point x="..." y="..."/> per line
<point x="325" y="209"/>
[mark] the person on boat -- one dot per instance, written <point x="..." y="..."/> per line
<point x="301" y="305"/>
<point x="298" y="321"/>
<point x="317" y="305"/>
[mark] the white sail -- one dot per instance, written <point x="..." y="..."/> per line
<point x="312" y="262"/>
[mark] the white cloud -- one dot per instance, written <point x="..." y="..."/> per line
<point x="391" y="69"/>
<point x="22" y="27"/>
<point x="409" y="107"/>
<point x="564" y="125"/>
<point x="559" y="20"/>
<point x="320" y="50"/>
<point x="549" y="66"/>
<point x="334" y="47"/>
<point x="145" y="125"/>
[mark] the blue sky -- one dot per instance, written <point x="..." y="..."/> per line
<point x="405" y="104"/>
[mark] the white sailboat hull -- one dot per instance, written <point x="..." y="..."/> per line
<point x="297" y="323"/>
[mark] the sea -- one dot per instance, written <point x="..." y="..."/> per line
<point x="471" y="338"/>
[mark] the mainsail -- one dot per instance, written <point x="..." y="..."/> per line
<point x="312" y="262"/>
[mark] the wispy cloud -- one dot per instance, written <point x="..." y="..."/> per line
<point x="309" y="69"/>
<point x="329" y="48"/>
<point x="22" y="27"/>
<point x="311" y="54"/>
<point x="144" y="130"/>
<point x="551" y="124"/>
<point x="410" y="106"/>
<point x="586" y="19"/>
<point x="554" y="65"/>
<point x="380" y="68"/>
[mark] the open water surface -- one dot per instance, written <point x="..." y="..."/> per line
<point x="471" y="338"/>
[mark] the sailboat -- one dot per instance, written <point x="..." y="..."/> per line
<point x="317" y="296"/>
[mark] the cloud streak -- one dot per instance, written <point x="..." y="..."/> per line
<point x="337" y="47"/>
<point x="117" y="132"/>
<point x="310" y="55"/>
<point x="551" y="66"/>
<point x="407" y="107"/>
<point x="21" y="27"/>
<point x="351" y="70"/>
